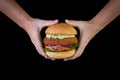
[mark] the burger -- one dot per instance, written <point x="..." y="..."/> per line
<point x="60" y="41"/>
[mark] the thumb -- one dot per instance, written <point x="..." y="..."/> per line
<point x="73" y="22"/>
<point x="50" y="22"/>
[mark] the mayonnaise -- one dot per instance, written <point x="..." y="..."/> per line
<point x="59" y="36"/>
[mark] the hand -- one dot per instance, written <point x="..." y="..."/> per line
<point x="87" y="31"/>
<point x="33" y="28"/>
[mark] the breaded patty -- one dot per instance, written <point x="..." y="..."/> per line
<point x="66" y="41"/>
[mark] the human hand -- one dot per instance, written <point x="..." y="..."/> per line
<point x="33" y="28"/>
<point x="88" y="30"/>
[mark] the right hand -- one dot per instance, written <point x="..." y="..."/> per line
<point x="33" y="28"/>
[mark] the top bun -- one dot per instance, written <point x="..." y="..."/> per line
<point x="61" y="29"/>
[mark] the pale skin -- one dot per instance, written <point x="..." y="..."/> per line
<point x="88" y="29"/>
<point x="31" y="25"/>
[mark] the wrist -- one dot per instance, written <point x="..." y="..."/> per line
<point x="97" y="24"/>
<point x="25" y="23"/>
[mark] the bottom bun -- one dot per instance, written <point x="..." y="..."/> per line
<point x="61" y="55"/>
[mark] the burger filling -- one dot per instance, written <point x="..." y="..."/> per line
<point x="59" y="48"/>
<point x="59" y="36"/>
<point x="58" y="43"/>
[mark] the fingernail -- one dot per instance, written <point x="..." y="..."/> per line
<point x="66" y="19"/>
<point x="65" y="59"/>
<point x="46" y="57"/>
<point x="52" y="59"/>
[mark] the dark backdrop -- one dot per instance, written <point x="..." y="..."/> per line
<point x="20" y="58"/>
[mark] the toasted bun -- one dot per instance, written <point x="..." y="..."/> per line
<point x="61" y="55"/>
<point x="61" y="29"/>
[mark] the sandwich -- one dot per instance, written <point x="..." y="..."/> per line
<point x="60" y="41"/>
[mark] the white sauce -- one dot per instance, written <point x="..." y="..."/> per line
<point x="60" y="36"/>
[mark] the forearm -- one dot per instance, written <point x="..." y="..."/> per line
<point x="107" y="14"/>
<point x="11" y="9"/>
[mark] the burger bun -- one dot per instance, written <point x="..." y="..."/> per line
<point x="61" y="55"/>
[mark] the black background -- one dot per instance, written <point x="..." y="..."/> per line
<point x="20" y="58"/>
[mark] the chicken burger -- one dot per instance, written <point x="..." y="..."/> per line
<point x="60" y="41"/>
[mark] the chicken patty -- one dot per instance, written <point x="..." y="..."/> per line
<point x="66" y="41"/>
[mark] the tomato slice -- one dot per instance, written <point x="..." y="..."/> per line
<point x="58" y="47"/>
<point x="63" y="48"/>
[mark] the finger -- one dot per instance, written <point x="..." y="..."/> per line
<point x="72" y="22"/>
<point x="74" y="57"/>
<point x="50" y="22"/>
<point x="35" y="38"/>
<point x="67" y="59"/>
<point x="40" y="50"/>
<point x="77" y="54"/>
<point x="52" y="59"/>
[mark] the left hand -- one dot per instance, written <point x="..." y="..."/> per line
<point x="87" y="31"/>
